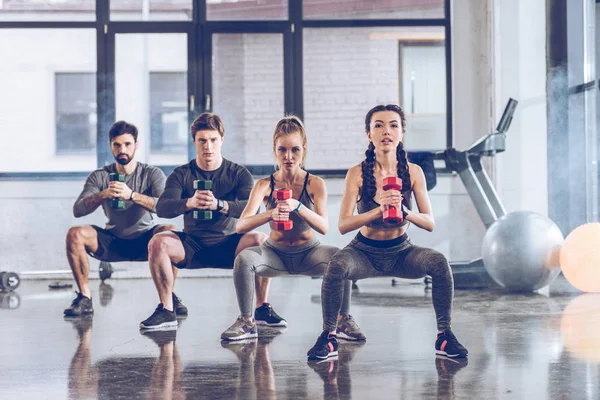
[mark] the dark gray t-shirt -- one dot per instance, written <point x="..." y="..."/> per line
<point x="133" y="220"/>
<point x="230" y="182"/>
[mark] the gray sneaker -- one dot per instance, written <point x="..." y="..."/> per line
<point x="348" y="329"/>
<point x="240" y="330"/>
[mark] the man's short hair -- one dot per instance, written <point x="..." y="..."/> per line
<point x="120" y="128"/>
<point x="207" y="122"/>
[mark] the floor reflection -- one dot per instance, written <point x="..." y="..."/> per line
<point x="520" y="346"/>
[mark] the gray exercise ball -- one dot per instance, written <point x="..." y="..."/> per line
<point x="521" y="251"/>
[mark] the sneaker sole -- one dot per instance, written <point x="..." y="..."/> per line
<point x="342" y="335"/>
<point x="249" y="335"/>
<point x="443" y="353"/>
<point x="277" y="324"/>
<point x="331" y="354"/>
<point x="164" y="325"/>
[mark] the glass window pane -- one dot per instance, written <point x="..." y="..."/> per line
<point x="76" y="117"/>
<point x="47" y="10"/>
<point x="48" y="100"/>
<point x="248" y="93"/>
<point x="373" y="9"/>
<point x="151" y="10"/>
<point x="151" y="93"/>
<point x="246" y="10"/>
<point x="358" y="68"/>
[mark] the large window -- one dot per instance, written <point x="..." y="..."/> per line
<point x="48" y="100"/>
<point x="151" y="93"/>
<point x="380" y="72"/>
<point x="248" y="93"/>
<point x="76" y="117"/>
<point x="168" y="113"/>
<point x="71" y="68"/>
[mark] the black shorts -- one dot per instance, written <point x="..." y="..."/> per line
<point x="199" y="256"/>
<point x="113" y="249"/>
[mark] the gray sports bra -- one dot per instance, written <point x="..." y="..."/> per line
<point x="300" y="225"/>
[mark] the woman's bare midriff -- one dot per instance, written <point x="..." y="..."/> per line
<point x="285" y="239"/>
<point x="382" y="234"/>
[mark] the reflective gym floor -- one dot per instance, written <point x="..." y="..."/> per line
<point x="533" y="346"/>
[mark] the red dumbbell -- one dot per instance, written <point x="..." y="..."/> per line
<point x="392" y="214"/>
<point x="286" y="224"/>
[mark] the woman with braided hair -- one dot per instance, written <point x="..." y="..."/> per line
<point x="383" y="248"/>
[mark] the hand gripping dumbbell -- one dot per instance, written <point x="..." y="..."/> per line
<point x="117" y="202"/>
<point x="203" y="215"/>
<point x="392" y="214"/>
<point x="287" y="224"/>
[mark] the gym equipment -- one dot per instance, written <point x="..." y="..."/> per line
<point x="521" y="251"/>
<point x="285" y="224"/>
<point x="117" y="203"/>
<point x="467" y="164"/>
<point x="203" y="215"/>
<point x="580" y="259"/>
<point x="392" y="215"/>
<point x="10" y="281"/>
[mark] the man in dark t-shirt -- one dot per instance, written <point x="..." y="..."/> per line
<point x="210" y="243"/>
<point x="128" y="205"/>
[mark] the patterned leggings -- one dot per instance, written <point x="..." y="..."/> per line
<point x="365" y="258"/>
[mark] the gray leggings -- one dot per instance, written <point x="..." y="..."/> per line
<point x="365" y="258"/>
<point x="272" y="259"/>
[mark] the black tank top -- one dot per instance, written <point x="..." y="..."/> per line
<point x="300" y="225"/>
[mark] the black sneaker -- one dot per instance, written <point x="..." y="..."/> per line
<point x="265" y="315"/>
<point x="180" y="309"/>
<point x="161" y="337"/>
<point x="160" y="319"/>
<point x="326" y="346"/>
<point x="447" y="345"/>
<point x="80" y="306"/>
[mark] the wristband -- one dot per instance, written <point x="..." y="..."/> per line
<point x="132" y="193"/>
<point x="404" y="211"/>
<point x="298" y="208"/>
<point x="220" y="205"/>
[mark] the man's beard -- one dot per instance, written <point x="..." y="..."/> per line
<point x="123" y="160"/>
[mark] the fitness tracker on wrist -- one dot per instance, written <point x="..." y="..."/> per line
<point x="220" y="205"/>
<point x="132" y="193"/>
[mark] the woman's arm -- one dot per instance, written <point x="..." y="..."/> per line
<point x="424" y="217"/>
<point x="250" y="219"/>
<point x="349" y="222"/>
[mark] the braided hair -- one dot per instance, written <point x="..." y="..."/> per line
<point x="369" y="186"/>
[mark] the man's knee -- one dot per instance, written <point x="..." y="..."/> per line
<point x="158" y="246"/>
<point x="76" y="236"/>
